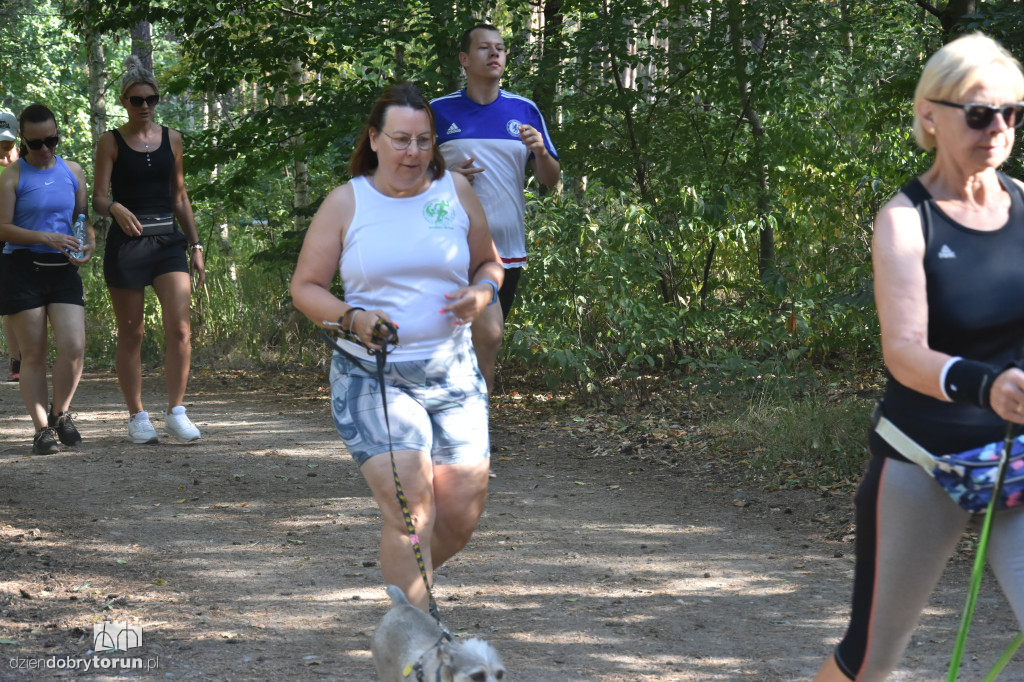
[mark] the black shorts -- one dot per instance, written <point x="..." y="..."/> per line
<point x="30" y="280"/>
<point x="507" y="292"/>
<point x="134" y="262"/>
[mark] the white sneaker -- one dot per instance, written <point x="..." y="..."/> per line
<point x="140" y="429"/>
<point x="180" y="426"/>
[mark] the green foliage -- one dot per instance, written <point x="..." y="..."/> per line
<point x="651" y="261"/>
<point x="689" y="133"/>
<point x="803" y="441"/>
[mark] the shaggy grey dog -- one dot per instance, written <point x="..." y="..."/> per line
<point x="409" y="645"/>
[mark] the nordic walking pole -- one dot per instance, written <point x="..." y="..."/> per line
<point x="1005" y="658"/>
<point x="979" y="560"/>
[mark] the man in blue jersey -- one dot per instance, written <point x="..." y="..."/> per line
<point x="490" y="136"/>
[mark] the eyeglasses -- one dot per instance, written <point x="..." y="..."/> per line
<point x="36" y="145"/>
<point x="137" y="101"/>
<point x="401" y="142"/>
<point x="979" y="116"/>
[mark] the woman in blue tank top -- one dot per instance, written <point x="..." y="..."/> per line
<point x="414" y="250"/>
<point x="947" y="254"/>
<point x="40" y="196"/>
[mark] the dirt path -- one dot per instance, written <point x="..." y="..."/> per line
<point x="252" y="555"/>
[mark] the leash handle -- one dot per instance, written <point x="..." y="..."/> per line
<point x="384" y="333"/>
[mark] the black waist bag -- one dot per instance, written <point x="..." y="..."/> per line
<point x="155" y="225"/>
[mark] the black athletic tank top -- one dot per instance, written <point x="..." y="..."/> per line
<point x="141" y="181"/>
<point x="975" y="288"/>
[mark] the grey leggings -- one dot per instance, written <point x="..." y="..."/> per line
<point x="907" y="527"/>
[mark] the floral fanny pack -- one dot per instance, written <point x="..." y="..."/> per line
<point x="969" y="477"/>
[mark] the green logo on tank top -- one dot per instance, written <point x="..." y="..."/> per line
<point x="439" y="214"/>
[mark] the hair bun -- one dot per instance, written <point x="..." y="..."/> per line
<point x="135" y="73"/>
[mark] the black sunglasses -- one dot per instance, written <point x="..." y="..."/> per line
<point x="137" y="101"/>
<point x="979" y="116"/>
<point x="36" y="145"/>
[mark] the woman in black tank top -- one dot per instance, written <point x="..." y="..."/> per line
<point x="152" y="240"/>
<point x="947" y="255"/>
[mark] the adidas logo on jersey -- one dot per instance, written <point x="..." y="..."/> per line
<point x="946" y="252"/>
<point x="453" y="129"/>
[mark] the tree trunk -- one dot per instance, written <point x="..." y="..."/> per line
<point x="844" y="14"/>
<point x="142" y="43"/>
<point x="951" y="14"/>
<point x="300" y="168"/>
<point x="97" y="61"/>
<point x="552" y="49"/>
<point x="766" y="236"/>
<point x="446" y="47"/>
<point x="211" y="109"/>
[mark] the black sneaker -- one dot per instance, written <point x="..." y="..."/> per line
<point x="45" y="442"/>
<point x="64" y="425"/>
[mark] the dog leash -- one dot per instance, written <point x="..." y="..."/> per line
<point x="390" y="338"/>
<point x="417" y="667"/>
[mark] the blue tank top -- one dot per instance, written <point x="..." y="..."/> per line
<point x="975" y="310"/>
<point x="45" y="202"/>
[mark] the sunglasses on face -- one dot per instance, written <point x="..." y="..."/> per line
<point x="137" y="101"/>
<point x="979" y="116"/>
<point x="36" y="145"/>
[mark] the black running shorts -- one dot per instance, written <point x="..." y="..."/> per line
<point x="134" y="262"/>
<point x="30" y="280"/>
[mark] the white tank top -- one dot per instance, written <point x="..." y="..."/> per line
<point x="403" y="255"/>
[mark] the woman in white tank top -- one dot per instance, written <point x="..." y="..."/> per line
<point x="413" y="248"/>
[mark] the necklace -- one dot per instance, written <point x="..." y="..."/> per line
<point x="142" y="139"/>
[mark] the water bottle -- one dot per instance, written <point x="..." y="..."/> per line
<point x="79" y="235"/>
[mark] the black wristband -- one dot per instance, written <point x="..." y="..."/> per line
<point x="970" y="381"/>
<point x="341" y="320"/>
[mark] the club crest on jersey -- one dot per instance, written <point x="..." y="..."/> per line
<point x="439" y="214"/>
<point x="513" y="127"/>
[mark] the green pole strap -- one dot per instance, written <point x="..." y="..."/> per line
<point x="1005" y="658"/>
<point x="972" y="594"/>
<point x="979" y="560"/>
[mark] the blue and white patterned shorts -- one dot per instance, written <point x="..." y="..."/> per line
<point x="437" y="406"/>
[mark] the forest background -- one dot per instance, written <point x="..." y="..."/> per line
<point x="722" y="163"/>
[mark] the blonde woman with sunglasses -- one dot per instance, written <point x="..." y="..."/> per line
<point x="947" y="253"/>
<point x="152" y="241"/>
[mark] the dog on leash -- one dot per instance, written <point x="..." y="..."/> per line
<point x="410" y="645"/>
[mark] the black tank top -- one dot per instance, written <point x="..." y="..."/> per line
<point x="975" y="288"/>
<point x="141" y="181"/>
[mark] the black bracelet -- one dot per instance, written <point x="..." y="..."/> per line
<point x="341" y="320"/>
<point x="970" y="381"/>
